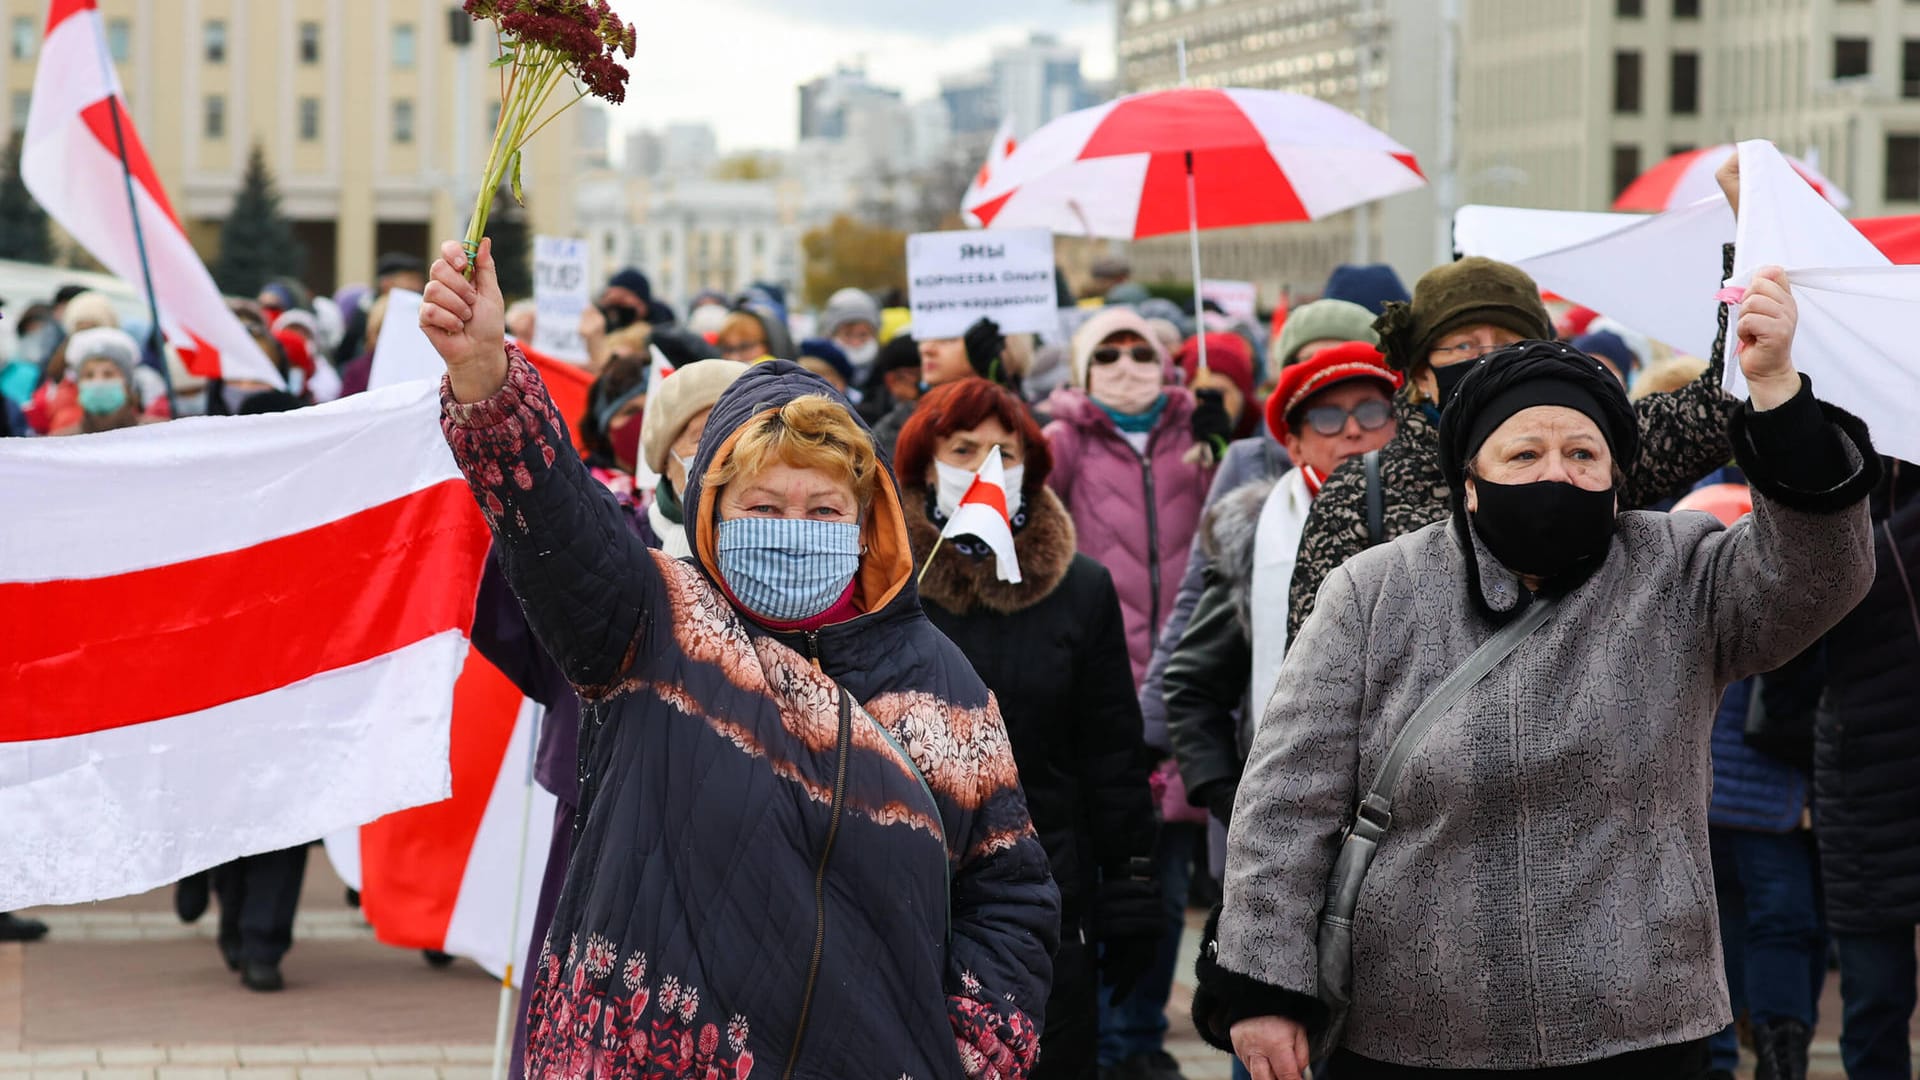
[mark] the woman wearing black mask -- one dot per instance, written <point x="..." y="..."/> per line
<point x="1539" y="899"/>
<point x="1460" y="312"/>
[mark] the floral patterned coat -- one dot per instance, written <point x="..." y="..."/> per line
<point x="800" y="854"/>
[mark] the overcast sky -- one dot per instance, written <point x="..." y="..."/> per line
<point x="736" y="63"/>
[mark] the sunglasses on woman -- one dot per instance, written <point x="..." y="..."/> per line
<point x="1109" y="354"/>
<point x="1332" y="419"/>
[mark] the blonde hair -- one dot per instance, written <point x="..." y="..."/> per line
<point x="631" y="341"/>
<point x="1666" y="376"/>
<point x="810" y="432"/>
<point x="742" y="326"/>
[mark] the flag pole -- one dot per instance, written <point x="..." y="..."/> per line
<point x="133" y="214"/>
<point x="928" y="565"/>
<point x="1193" y="231"/>
<point x="504" y="1023"/>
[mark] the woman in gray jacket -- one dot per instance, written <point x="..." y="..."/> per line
<point x="1542" y="898"/>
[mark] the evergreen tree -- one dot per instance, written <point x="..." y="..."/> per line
<point x="24" y="234"/>
<point x="512" y="246"/>
<point x="256" y="242"/>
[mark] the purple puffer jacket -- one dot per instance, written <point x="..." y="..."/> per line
<point x="1135" y="515"/>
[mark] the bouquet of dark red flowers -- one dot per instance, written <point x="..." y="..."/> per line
<point x="544" y="43"/>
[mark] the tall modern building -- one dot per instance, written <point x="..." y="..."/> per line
<point x="1037" y="81"/>
<point x="1381" y="59"/>
<point x="1564" y="102"/>
<point x="374" y="122"/>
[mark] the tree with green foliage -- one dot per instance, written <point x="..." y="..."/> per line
<point x="256" y="241"/>
<point x="24" y="233"/>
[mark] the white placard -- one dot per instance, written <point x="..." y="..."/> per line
<point x="559" y="296"/>
<point x="958" y="277"/>
<point x="1239" y="299"/>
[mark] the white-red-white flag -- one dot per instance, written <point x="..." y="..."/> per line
<point x="983" y="513"/>
<point x="225" y="636"/>
<point x="982" y="188"/>
<point x="72" y="164"/>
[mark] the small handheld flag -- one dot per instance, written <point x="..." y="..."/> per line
<point x="983" y="513"/>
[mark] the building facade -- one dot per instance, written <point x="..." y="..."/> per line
<point x="374" y="123"/>
<point x="1380" y="59"/>
<point x="690" y="235"/>
<point x="1564" y="102"/>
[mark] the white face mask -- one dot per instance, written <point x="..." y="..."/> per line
<point x="1126" y="386"/>
<point x="861" y="356"/>
<point x="955" y="481"/>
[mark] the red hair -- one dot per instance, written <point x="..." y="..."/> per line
<point x="959" y="406"/>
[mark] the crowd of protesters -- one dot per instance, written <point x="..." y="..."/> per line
<point x="1641" y="843"/>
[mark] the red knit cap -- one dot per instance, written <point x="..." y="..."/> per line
<point x="1227" y="354"/>
<point x="1329" y="367"/>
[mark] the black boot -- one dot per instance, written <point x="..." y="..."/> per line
<point x="262" y="977"/>
<point x="1780" y="1049"/>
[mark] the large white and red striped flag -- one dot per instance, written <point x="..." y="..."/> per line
<point x="983" y="513"/>
<point x="998" y="152"/>
<point x="225" y="636"/>
<point x="72" y="164"/>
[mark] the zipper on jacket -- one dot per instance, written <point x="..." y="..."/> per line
<point x="1153" y="548"/>
<point x="820" y="871"/>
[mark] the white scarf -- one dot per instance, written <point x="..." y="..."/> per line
<point x="673" y="536"/>
<point x="1276" y="546"/>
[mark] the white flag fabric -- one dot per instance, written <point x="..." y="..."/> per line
<point x="71" y="162"/>
<point x="1857" y="310"/>
<point x="225" y="635"/>
<point x="983" y="513"/>
<point x="982" y="186"/>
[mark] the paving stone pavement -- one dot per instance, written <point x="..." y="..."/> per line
<point x="121" y="990"/>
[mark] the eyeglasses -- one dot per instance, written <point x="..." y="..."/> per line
<point x="1111" y="354"/>
<point x="1466" y="350"/>
<point x="1332" y="419"/>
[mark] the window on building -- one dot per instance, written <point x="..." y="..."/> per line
<point x="1626" y="81"/>
<point x="1903" y="168"/>
<point x="309" y="42"/>
<point x="1626" y="166"/>
<point x="214" y="123"/>
<point x="403" y="45"/>
<point x="1910" y="68"/>
<point x="309" y="119"/>
<point x="26" y="38"/>
<point x="1676" y="149"/>
<point x="1850" y="57"/>
<point x="22" y="104"/>
<point x="1686" y="84"/>
<point x="120" y="40"/>
<point x="403" y="120"/>
<point x="214" y="41"/>
<point x="1686" y="9"/>
<point x="1628" y="9"/>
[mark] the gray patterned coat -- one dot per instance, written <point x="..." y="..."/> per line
<point x="1544" y="896"/>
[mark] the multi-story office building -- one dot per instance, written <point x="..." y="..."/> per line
<point x="373" y="121"/>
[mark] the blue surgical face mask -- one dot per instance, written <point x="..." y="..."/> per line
<point x="788" y="569"/>
<point x="103" y="396"/>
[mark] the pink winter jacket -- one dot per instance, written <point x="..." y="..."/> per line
<point x="1136" y="516"/>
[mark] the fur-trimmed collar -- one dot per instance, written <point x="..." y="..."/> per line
<point x="1227" y="538"/>
<point x="960" y="582"/>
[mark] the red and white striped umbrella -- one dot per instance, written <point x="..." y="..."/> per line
<point x="1121" y="170"/>
<point x="1685" y="179"/>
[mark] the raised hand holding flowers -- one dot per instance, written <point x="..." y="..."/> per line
<point x="543" y="43"/>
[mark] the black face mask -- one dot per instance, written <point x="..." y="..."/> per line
<point x="1547" y="528"/>
<point x="1445" y="379"/>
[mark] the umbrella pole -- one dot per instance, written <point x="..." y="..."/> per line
<point x="1193" y="247"/>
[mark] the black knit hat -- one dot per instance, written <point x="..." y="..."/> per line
<point x="1460" y="294"/>
<point x="1520" y="376"/>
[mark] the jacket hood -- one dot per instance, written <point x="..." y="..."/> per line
<point x="885" y="577"/>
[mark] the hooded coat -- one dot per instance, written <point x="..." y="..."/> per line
<point x="805" y="850"/>
<point x="1136" y="513"/>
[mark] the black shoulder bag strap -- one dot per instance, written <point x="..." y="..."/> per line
<point x="1375" y="815"/>
<point x="1376" y="502"/>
